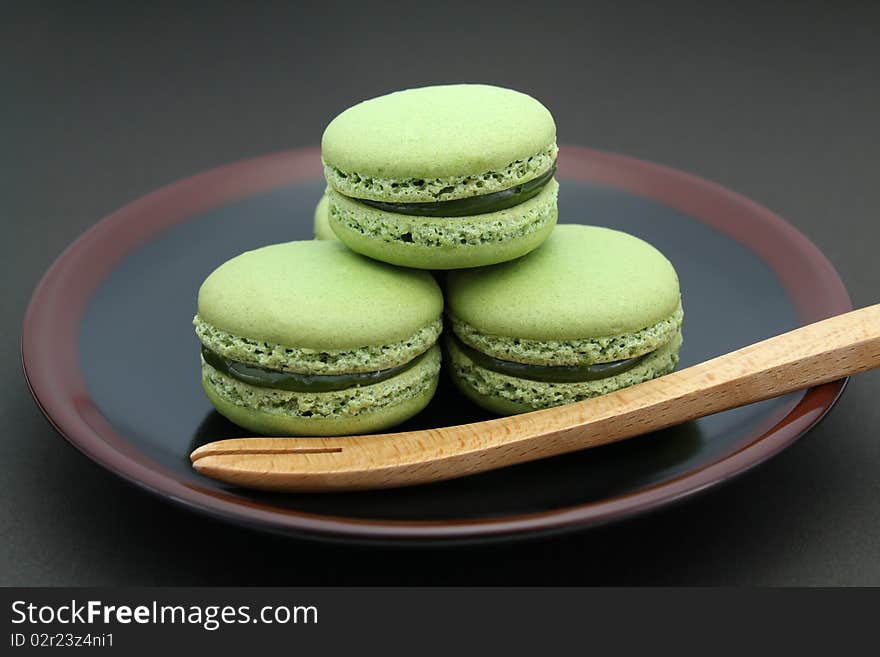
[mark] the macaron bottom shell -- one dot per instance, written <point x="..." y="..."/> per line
<point x="361" y="409"/>
<point x="444" y="242"/>
<point x="507" y="395"/>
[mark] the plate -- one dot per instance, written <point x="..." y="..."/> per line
<point x="111" y="358"/>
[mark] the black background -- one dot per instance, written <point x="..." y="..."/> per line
<point x="104" y="103"/>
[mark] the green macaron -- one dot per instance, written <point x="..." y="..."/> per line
<point x="322" y="220"/>
<point x="590" y="311"/>
<point x="309" y="338"/>
<point x="442" y="177"/>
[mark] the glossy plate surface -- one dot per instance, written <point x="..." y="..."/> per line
<point x="111" y="358"/>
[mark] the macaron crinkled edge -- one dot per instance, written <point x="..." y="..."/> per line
<point x="321" y="222"/>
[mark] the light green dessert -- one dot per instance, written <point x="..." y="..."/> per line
<point x="309" y="338"/>
<point x="590" y="311"/>
<point x="442" y="177"/>
<point x="322" y="220"/>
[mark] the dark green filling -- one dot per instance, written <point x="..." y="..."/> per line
<point x="550" y="373"/>
<point x="464" y="207"/>
<point x="266" y="378"/>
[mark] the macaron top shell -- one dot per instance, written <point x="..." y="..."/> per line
<point x="439" y="131"/>
<point x="583" y="282"/>
<point x="318" y="295"/>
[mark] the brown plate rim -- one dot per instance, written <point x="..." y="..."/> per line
<point x="50" y="336"/>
